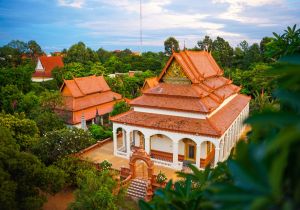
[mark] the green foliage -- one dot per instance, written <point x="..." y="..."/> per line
<point x="23" y="130"/>
<point x="80" y="53"/>
<point x="127" y="86"/>
<point x="47" y="121"/>
<point x="253" y="80"/>
<point x="99" y="133"/>
<point x="22" y="176"/>
<point x="10" y="97"/>
<point x="73" y="167"/>
<point x="286" y="44"/>
<point x="171" y="44"/>
<point x="59" y="143"/>
<point x="96" y="192"/>
<point x="50" y="100"/>
<point x="105" y="165"/>
<point x="161" y="178"/>
<point x="119" y="108"/>
<point x="19" y="76"/>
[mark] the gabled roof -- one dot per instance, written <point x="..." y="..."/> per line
<point x="197" y="65"/>
<point x="86" y="85"/>
<point x="48" y="63"/>
<point x="150" y="83"/>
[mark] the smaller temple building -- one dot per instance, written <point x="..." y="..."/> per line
<point x="44" y="67"/>
<point x="87" y="100"/>
<point x="191" y="114"/>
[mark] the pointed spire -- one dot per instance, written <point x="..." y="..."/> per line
<point x="83" y="122"/>
<point x="184" y="48"/>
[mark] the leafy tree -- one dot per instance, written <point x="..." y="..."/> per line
<point x="205" y="44"/>
<point x="19" y="76"/>
<point x="171" y="44"/>
<point x="23" y="130"/>
<point x="73" y="168"/>
<point x="81" y="54"/>
<point x="50" y="100"/>
<point x="23" y="176"/>
<point x="47" y="121"/>
<point x="96" y="192"/>
<point x="10" y="97"/>
<point x="34" y="49"/>
<point x="262" y="46"/>
<point x="286" y="44"/>
<point x="59" y="143"/>
<point x="28" y="103"/>
<point x="222" y="52"/>
<point x="119" y="108"/>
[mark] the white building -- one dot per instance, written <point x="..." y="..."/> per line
<point x="192" y="115"/>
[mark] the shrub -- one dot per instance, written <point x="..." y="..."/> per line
<point x="99" y="133"/>
<point x="105" y="165"/>
<point x="161" y="177"/>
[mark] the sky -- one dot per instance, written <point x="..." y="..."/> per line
<point x="115" y="24"/>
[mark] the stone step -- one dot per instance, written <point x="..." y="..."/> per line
<point x="137" y="188"/>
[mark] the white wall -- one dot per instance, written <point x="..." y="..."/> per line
<point x="161" y="143"/>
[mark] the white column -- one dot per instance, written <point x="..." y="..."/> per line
<point x="216" y="160"/>
<point x="221" y="149"/>
<point x="124" y="138"/>
<point x="115" y="141"/>
<point x="147" y="144"/>
<point x="198" y="154"/>
<point x="175" y="154"/>
<point x="128" y="143"/>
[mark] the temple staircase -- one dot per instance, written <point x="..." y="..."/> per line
<point x="137" y="188"/>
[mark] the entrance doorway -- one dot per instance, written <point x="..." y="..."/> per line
<point x="141" y="170"/>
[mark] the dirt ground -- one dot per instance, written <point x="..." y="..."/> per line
<point x="60" y="200"/>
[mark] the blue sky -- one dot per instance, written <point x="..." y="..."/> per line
<point x="114" y="24"/>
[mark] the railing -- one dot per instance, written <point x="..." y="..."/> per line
<point x="162" y="163"/>
<point x="165" y="156"/>
<point x="120" y="153"/>
<point x="208" y="159"/>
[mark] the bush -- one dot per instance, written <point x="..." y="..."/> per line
<point x="99" y="133"/>
<point x="161" y="178"/>
<point x="57" y="144"/>
<point x="105" y="165"/>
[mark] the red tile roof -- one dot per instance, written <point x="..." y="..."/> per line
<point x="48" y="63"/>
<point x="214" y="126"/>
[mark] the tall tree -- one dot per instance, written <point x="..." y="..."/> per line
<point x="80" y="53"/>
<point x="205" y="44"/>
<point x="222" y="52"/>
<point x="34" y="49"/>
<point x="171" y="44"/>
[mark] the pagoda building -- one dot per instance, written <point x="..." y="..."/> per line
<point x="87" y="100"/>
<point x="190" y="113"/>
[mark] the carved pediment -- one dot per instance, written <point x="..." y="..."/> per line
<point x="175" y="74"/>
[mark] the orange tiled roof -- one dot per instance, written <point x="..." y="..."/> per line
<point x="86" y="85"/>
<point x="85" y="95"/>
<point x="197" y="65"/>
<point x="150" y="83"/>
<point x="214" y="126"/>
<point x="48" y="63"/>
<point x="191" y="98"/>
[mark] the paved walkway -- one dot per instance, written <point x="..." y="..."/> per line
<point x="105" y="152"/>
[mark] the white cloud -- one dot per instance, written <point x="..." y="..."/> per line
<point x="236" y="10"/>
<point x="71" y="3"/>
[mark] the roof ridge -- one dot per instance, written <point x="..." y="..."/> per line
<point x="119" y="115"/>
<point x="192" y="70"/>
<point x="201" y="75"/>
<point x="74" y="79"/>
<point x="214" y="63"/>
<point x="213" y="126"/>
